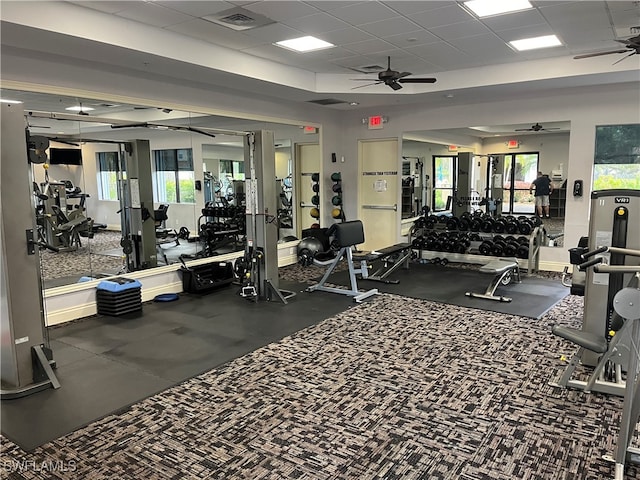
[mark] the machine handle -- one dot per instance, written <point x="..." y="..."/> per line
<point x="381" y="207"/>
<point x="583" y="266"/>
<point x="595" y="252"/>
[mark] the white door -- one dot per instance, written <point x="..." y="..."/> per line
<point x="378" y="188"/>
<point x="307" y="163"/>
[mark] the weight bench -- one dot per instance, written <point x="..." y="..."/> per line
<point x="346" y="236"/>
<point x="504" y="270"/>
<point x="392" y="258"/>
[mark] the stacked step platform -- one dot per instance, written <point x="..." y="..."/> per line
<point x="119" y="296"/>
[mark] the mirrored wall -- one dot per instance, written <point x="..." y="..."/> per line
<point x="85" y="195"/>
<point x="506" y="161"/>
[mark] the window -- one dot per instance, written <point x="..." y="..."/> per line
<point x="174" y="179"/>
<point x="520" y="170"/>
<point x="444" y="181"/>
<point x="108" y="175"/>
<point x="617" y="157"/>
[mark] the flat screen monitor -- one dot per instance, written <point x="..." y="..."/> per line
<point x="65" y="156"/>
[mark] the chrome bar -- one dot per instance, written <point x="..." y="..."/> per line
<point x="381" y="207"/>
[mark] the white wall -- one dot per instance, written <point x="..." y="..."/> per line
<point x="583" y="107"/>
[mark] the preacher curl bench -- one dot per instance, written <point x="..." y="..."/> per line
<point x="346" y="236"/>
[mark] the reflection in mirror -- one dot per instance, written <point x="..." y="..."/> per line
<point x="505" y="162"/>
<point x="193" y="164"/>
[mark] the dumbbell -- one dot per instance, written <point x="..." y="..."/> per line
<point x="487" y="224"/>
<point x="499" y="225"/>
<point x="486" y="247"/>
<point x="464" y="223"/>
<point x="498" y="247"/>
<point x="525" y="225"/>
<point x="511" y="225"/>
<point x="452" y="223"/>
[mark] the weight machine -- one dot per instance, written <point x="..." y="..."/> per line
<point x="258" y="267"/>
<point x="26" y="359"/>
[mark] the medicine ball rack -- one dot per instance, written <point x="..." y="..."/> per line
<point x="477" y="239"/>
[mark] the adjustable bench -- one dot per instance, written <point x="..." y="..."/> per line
<point x="392" y="258"/>
<point x="504" y="270"/>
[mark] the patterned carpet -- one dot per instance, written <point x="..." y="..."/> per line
<point x="393" y="388"/>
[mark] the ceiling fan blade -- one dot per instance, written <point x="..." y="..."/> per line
<point x="588" y="55"/>
<point x="395" y="85"/>
<point x="417" y="80"/>
<point x="618" y="61"/>
<point x="400" y="75"/>
<point x="523" y="130"/>
<point x="361" y="79"/>
<point x="367" y="85"/>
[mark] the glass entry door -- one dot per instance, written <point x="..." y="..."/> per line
<point x="520" y="170"/>
<point x="444" y="180"/>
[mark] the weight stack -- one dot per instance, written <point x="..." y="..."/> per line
<point x="119" y="296"/>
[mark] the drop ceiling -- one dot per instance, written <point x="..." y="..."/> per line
<point x="470" y="57"/>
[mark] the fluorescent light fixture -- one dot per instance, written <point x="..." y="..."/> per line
<point x="485" y="8"/>
<point x="304" y="44"/>
<point x="536" y="42"/>
<point x="79" y="108"/>
<point x="4" y="100"/>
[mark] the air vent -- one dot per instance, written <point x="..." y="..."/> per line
<point x="368" y="69"/>
<point x="327" y="101"/>
<point x="239" y="19"/>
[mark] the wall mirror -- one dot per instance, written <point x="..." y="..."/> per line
<point x="507" y="159"/>
<point x="78" y="197"/>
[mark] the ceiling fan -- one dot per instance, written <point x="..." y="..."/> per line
<point x="393" y="78"/>
<point x="631" y="45"/>
<point x="536" y="128"/>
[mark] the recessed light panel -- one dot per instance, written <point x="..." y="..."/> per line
<point x="305" y="44"/>
<point x="4" y="100"/>
<point x="79" y="108"/>
<point x="485" y="8"/>
<point x="533" y="43"/>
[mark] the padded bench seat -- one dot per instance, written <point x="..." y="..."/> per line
<point x="504" y="270"/>
<point x="392" y="258"/>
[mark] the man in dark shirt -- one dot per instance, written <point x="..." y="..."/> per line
<point x="543" y="188"/>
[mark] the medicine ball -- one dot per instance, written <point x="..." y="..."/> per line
<point x="336" y="213"/>
<point x="336" y="177"/>
<point x="336" y="200"/>
<point x="315" y="177"/>
<point x="315" y="200"/>
<point x="308" y="248"/>
<point x="315" y="213"/>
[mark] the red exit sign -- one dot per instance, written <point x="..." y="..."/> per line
<point x="375" y="122"/>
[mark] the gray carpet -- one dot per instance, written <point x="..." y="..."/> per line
<point x="394" y="388"/>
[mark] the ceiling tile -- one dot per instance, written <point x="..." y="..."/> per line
<point x="620" y="6"/>
<point x="329" y="5"/>
<point x="155" y="15"/>
<point x="364" y="12"/>
<point x="594" y="38"/>
<point x="390" y="26"/>
<point x="442" y="16"/>
<point x="195" y="8"/>
<point x="346" y="35"/>
<point x="411" y="39"/>
<point x="281" y="11"/>
<point x="412" y="6"/>
<point x="439" y="53"/>
<point x="514" y="20"/>
<point x="316" y="24"/>
<point x="486" y="47"/>
<point x="459" y="30"/>
<point x="212" y="33"/>
<point x="274" y="32"/>
<point x="368" y="46"/>
<point x="584" y="13"/>
<point x="525" y="32"/>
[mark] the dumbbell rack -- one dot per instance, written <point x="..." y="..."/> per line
<point x="535" y="238"/>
